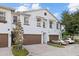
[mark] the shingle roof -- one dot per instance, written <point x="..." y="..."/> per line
<point x="5" y="7"/>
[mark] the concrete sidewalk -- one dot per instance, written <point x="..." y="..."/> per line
<point x="46" y="50"/>
<point x="5" y="51"/>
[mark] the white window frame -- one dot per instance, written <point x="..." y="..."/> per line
<point x="2" y="15"/>
<point x="15" y="20"/>
<point x="50" y="24"/>
<point x="57" y="25"/>
<point x="26" y="20"/>
<point x="44" y="23"/>
<point x="38" y="22"/>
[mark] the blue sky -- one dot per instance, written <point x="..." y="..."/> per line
<point x="54" y="8"/>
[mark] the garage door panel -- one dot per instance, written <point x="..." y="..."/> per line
<point x="3" y="40"/>
<point x="4" y="45"/>
<point x="53" y="37"/>
<point x="32" y="39"/>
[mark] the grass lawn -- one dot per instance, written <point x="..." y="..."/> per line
<point x="22" y="52"/>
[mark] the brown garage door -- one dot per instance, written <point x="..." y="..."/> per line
<point x="53" y="37"/>
<point x="31" y="39"/>
<point x="3" y="40"/>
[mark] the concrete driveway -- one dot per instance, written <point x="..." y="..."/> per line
<point x="46" y="50"/>
<point x="5" y="51"/>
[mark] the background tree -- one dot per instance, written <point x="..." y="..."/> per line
<point x="71" y="22"/>
<point x="18" y="32"/>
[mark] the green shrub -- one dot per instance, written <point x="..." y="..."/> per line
<point x="65" y="34"/>
<point x="21" y="52"/>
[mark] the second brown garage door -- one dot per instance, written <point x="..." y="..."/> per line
<point x="32" y="39"/>
<point x="3" y="40"/>
<point x="53" y="37"/>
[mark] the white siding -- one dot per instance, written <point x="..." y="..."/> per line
<point x="33" y="29"/>
<point x="4" y="27"/>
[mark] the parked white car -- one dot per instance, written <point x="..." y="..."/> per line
<point x="59" y="41"/>
<point x="63" y="42"/>
<point x="69" y="40"/>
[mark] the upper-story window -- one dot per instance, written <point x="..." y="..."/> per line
<point x="14" y="19"/>
<point x="50" y="24"/>
<point x="2" y="17"/>
<point x="26" y="20"/>
<point x="44" y="24"/>
<point x="38" y="22"/>
<point x="2" y="14"/>
<point x="57" y="25"/>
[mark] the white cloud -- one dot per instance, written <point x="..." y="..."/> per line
<point x="22" y="8"/>
<point x="73" y="7"/>
<point x="27" y="4"/>
<point x="36" y="6"/>
<point x="26" y="7"/>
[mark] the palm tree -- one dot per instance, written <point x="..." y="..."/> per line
<point x="18" y="32"/>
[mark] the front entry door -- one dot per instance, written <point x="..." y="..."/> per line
<point x="44" y="38"/>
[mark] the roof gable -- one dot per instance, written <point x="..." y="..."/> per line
<point x="41" y="10"/>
